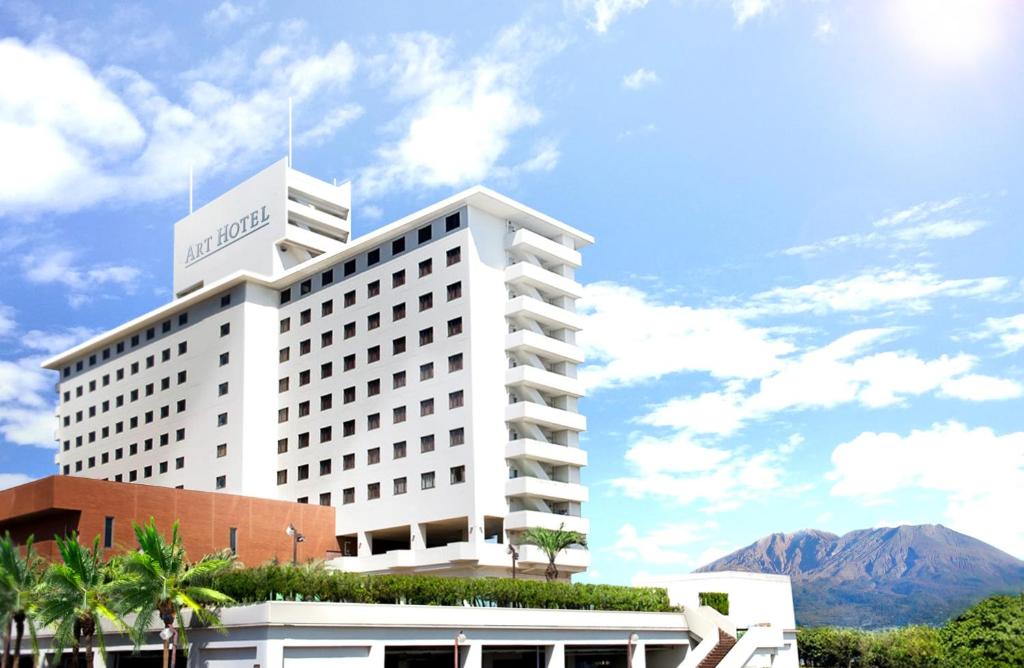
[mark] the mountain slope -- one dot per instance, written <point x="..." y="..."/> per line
<point x="880" y="577"/>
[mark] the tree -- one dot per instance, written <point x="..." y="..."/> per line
<point x="158" y="580"/>
<point x="990" y="633"/>
<point x="19" y="577"/>
<point x="74" y="595"/>
<point x="552" y="542"/>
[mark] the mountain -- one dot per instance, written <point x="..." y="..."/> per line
<point x="874" y="578"/>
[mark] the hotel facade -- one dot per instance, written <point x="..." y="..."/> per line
<point x="420" y="378"/>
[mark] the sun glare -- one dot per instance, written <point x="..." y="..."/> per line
<point x="955" y="32"/>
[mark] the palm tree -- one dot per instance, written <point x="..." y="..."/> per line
<point x="19" y="577"/>
<point x="74" y="596"/>
<point x="159" y="580"/>
<point x="551" y="542"/>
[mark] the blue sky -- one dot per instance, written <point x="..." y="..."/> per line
<point x="805" y="306"/>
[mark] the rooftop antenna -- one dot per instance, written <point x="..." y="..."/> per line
<point x="289" y="132"/>
<point x="190" y="189"/>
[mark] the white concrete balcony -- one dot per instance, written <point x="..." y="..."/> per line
<point x="520" y="520"/>
<point x="549" y="453"/>
<point x="552" y="490"/>
<point x="544" y="346"/>
<point x="525" y="273"/>
<point x="552" y="418"/>
<point x="543" y="380"/>
<point x="542" y="312"/>
<point x="525" y="241"/>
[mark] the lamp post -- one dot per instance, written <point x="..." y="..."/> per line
<point x="296" y="539"/>
<point x="460" y="639"/>
<point x="630" y="648"/>
<point x="166" y="633"/>
<point x="515" y="557"/>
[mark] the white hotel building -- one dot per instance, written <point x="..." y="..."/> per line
<point x="420" y="378"/>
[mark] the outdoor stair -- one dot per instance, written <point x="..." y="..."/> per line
<point x="725" y="643"/>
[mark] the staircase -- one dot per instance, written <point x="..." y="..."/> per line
<point x="725" y="643"/>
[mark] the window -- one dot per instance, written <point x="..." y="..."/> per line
<point x="455" y="399"/>
<point x="326" y="339"/>
<point x="427" y="443"/>
<point x="458" y="475"/>
<point x="286" y="295"/>
<point x="373" y="421"/>
<point x="303" y="440"/>
<point x="326" y="402"/>
<point x="348" y="428"/>
<point x="348" y="462"/>
<point x="327" y="277"/>
<point x="223" y="359"/>
<point x="348" y="495"/>
<point x="426" y="407"/>
<point x="455" y="362"/>
<point x="325" y="498"/>
<point x="349" y="394"/>
<point x="426" y="301"/>
<point x="222" y="419"/>
<point x="183" y="376"/>
<point x="350" y="330"/>
<point x="426" y="336"/>
<point x="373" y="491"/>
<point x="325" y="434"/>
<point x="233" y="539"/>
<point x="305" y="346"/>
<point x="134" y="475"/>
<point x="304" y="377"/>
<point x="398" y="278"/>
<point x="350" y="298"/>
<point x="284" y="354"/>
<point x="453" y="256"/>
<point x="423" y="234"/>
<point x="325" y="467"/>
<point x="451" y="222"/>
<point x="282" y="446"/>
<point x="398" y="246"/>
<point x="221" y="482"/>
<point x="108" y="532"/>
<point x="302" y="472"/>
<point x="456" y="436"/>
<point x="305" y="317"/>
<point x="399" y="486"/>
<point x="306" y="287"/>
<point x="454" y="290"/>
<point x="222" y="450"/>
<point x="150" y="335"/>
<point x="303" y="408"/>
<point x="373" y="387"/>
<point x="179" y="463"/>
<point x="165" y="355"/>
<point x="373" y="321"/>
<point x="225" y="300"/>
<point x="397" y="312"/>
<point x="282" y="415"/>
<point x="427" y="480"/>
<point x="373" y="456"/>
<point x="398" y="379"/>
<point x="426" y="267"/>
<point x="286" y="325"/>
<point x="163" y="467"/>
<point x="179" y="434"/>
<point x="398" y="414"/>
<point x="373" y="257"/>
<point x="373" y="354"/>
<point x="398" y="450"/>
<point x="326" y="369"/>
<point x="373" y="288"/>
<point x="180" y="406"/>
<point x="398" y="346"/>
<point x="225" y="329"/>
<point x="455" y="327"/>
<point x="182" y="348"/>
<point x="327" y="307"/>
<point x="426" y="371"/>
<point x="283" y="384"/>
<point x="222" y="389"/>
<point x="349" y="268"/>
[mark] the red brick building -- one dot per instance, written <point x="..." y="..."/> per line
<point x="209" y="521"/>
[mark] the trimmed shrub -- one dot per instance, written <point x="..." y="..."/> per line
<point x="274" y="582"/>
<point x="715" y="599"/>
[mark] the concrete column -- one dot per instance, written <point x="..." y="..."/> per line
<point x="417" y="537"/>
<point x="375" y="659"/>
<point x="363" y="548"/>
<point x="270" y="654"/>
<point x="554" y="655"/>
<point x="471" y="656"/>
<point x="639" y="655"/>
<point x="97" y="660"/>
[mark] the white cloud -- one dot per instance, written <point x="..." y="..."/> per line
<point x="977" y="387"/>
<point x="60" y="266"/>
<point x="918" y="212"/>
<point x="330" y="124"/>
<point x="7" y="323"/>
<point x="1008" y="332"/>
<point x="980" y="472"/>
<point x="824" y="29"/>
<point x="26" y="403"/>
<point x="667" y="545"/>
<point x="462" y="115"/>
<point x="606" y="12"/>
<point x="227" y="14"/>
<point x="111" y="133"/>
<point x="641" y="78"/>
<point x="745" y="10"/>
<point x="56" y="341"/>
<point x="8" y="480"/>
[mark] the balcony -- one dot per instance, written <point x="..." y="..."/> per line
<point x="521" y="520"/>
<point x="525" y="241"/>
<point x="542" y="279"/>
<point x="546" y="314"/>
<point x="546" y="489"/>
<point x="546" y="416"/>
<point x="545" y="346"/>
<point x="543" y="380"/>
<point x="549" y="453"/>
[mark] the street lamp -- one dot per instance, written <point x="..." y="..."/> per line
<point x="630" y="648"/>
<point x="167" y="633"/>
<point x="296" y="539"/>
<point x="515" y="557"/>
<point x="460" y="639"/>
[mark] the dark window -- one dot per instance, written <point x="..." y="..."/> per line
<point x="451" y="222"/>
<point x="325" y="467"/>
<point x="225" y="300"/>
<point x="303" y="440"/>
<point x="455" y="362"/>
<point x="286" y="325"/>
<point x="398" y="414"/>
<point x="303" y="408"/>
<point x="398" y="380"/>
<point x="350" y="330"/>
<point x="398" y="311"/>
<point x="350" y="298"/>
<point x="426" y="371"/>
<point x="222" y="450"/>
<point x="305" y="346"/>
<point x="327" y="307"/>
<point x="373" y="257"/>
<point x="222" y="389"/>
<point x="349" y="362"/>
<point x="325" y="499"/>
<point x="233" y="539"/>
<point x="455" y="399"/>
<point x="179" y="463"/>
<point x="373" y="456"/>
<point x="348" y="428"/>
<point x="455" y="327"/>
<point x="327" y="277"/>
<point x="284" y="355"/>
<point x="326" y="339"/>
<point x="427" y="480"/>
<point x="373" y="288"/>
<point x="325" y="434"/>
<point x="426" y="407"/>
<point x="426" y="267"/>
<point x="302" y="472"/>
<point x="423" y="234"/>
<point x="304" y="377"/>
<point x="286" y="295"/>
<point x="397" y="246"/>
<point x="398" y="450"/>
<point x="326" y="401"/>
<point x="373" y="354"/>
<point x="305" y="316"/>
<point x="348" y="462"/>
<point x="458" y="475"/>
<point x="348" y="495"/>
<point x="398" y="346"/>
<point x="225" y="329"/>
<point x="108" y="532"/>
<point x="373" y="421"/>
<point x="399" y="486"/>
<point x="453" y="255"/>
<point x="282" y="446"/>
<point x="426" y="301"/>
<point x="373" y="321"/>
<point x="455" y="290"/>
<point x="426" y="336"/>
<point x="283" y="384"/>
<point x="373" y="387"/>
<point x="326" y="369"/>
<point x="373" y="491"/>
<point x="398" y="278"/>
<point x="427" y="443"/>
<point x="306" y="287"/>
<point x="349" y="394"/>
<point x="350" y="267"/>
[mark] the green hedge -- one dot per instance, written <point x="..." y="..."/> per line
<point x="304" y="583"/>
<point x="715" y="599"/>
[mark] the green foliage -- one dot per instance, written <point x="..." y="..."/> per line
<point x="715" y="599"/>
<point x="19" y="578"/>
<point x="551" y="542"/>
<point x="990" y="633"/>
<point x="987" y="635"/>
<point x="309" y="583"/>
